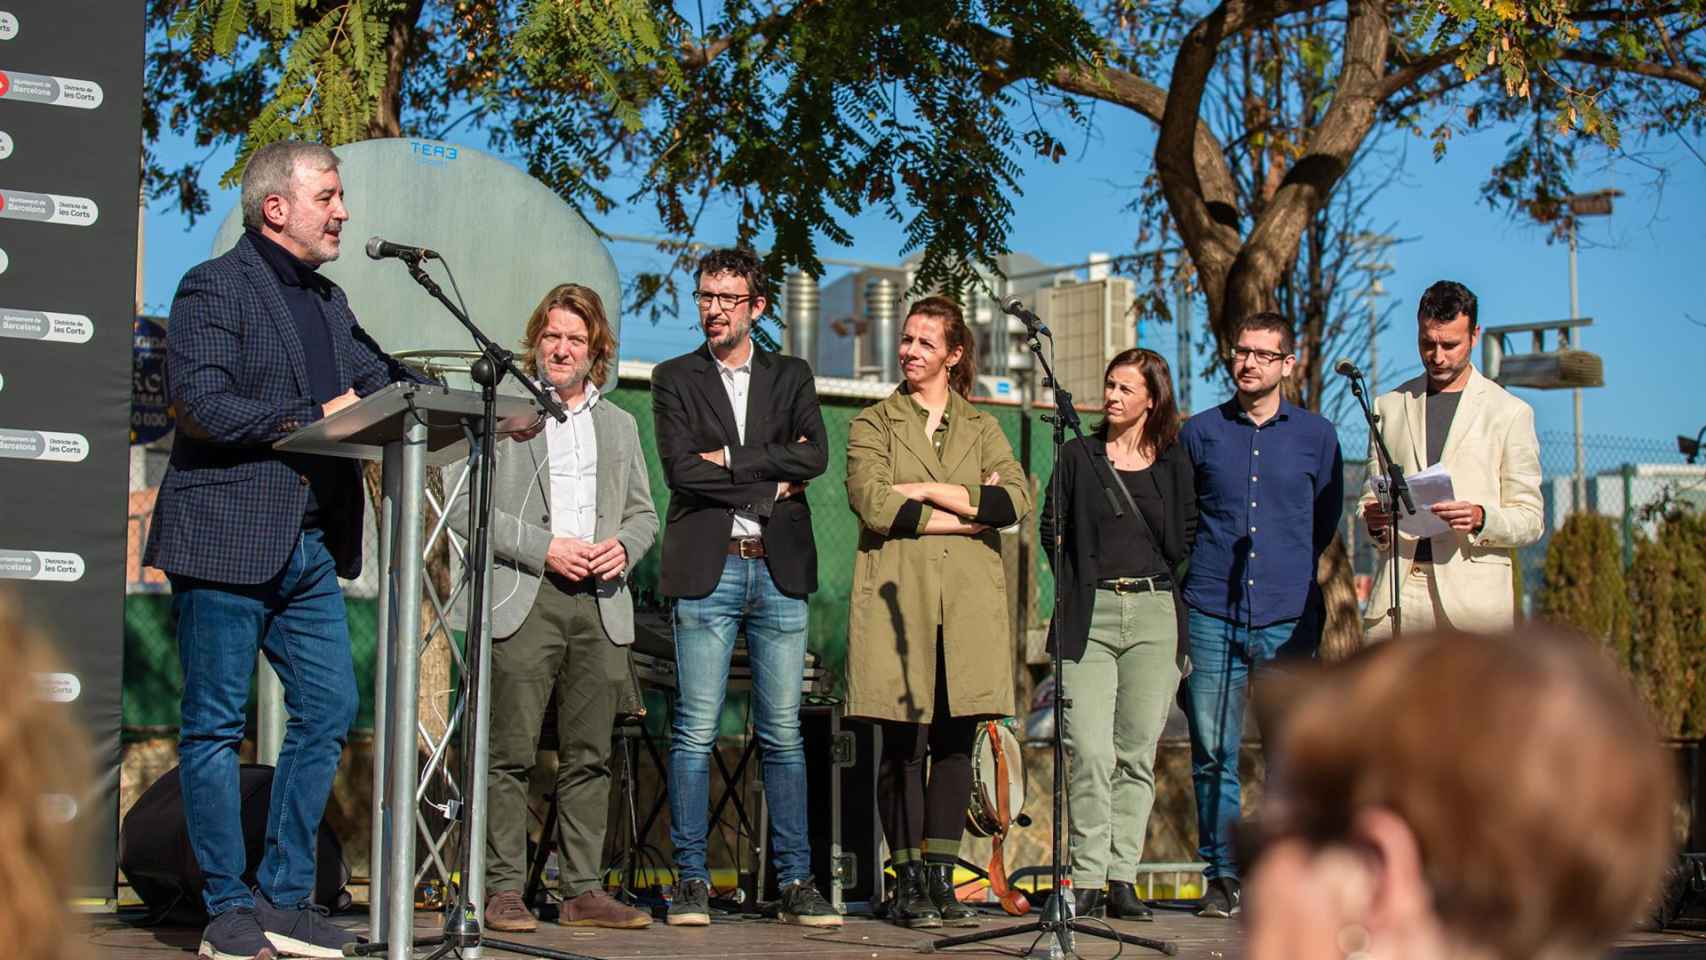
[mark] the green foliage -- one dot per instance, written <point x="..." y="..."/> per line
<point x="1582" y="582"/>
<point x="801" y="115"/>
<point x="1667" y="649"/>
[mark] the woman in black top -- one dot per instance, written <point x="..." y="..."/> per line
<point x="1119" y="622"/>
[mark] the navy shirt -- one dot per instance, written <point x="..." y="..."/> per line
<point x="1268" y="503"/>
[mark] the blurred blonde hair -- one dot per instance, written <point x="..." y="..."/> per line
<point x="42" y="753"/>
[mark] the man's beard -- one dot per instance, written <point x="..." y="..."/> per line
<point x="571" y="381"/>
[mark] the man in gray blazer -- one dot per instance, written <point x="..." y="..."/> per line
<point x="572" y="514"/>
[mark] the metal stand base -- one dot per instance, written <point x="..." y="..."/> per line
<point x="1058" y="932"/>
<point x="446" y="944"/>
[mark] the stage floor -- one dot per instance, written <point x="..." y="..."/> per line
<point x="118" y="938"/>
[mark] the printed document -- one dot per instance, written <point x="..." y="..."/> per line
<point x="1427" y="487"/>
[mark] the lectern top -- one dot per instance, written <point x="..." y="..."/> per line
<point x="362" y="429"/>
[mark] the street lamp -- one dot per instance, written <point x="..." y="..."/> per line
<point x="1596" y="204"/>
<point x="1373" y="246"/>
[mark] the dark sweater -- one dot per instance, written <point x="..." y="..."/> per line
<point x="305" y="294"/>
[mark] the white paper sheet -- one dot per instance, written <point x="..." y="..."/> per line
<point x="1427" y="487"/>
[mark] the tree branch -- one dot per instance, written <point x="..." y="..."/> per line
<point x="1396" y="81"/>
<point x="1310" y="181"/>
<point x="699" y="56"/>
<point x="1121" y="88"/>
<point x="387" y="119"/>
<point x="1618" y="15"/>
<point x="1687" y="75"/>
<point x="1210" y="233"/>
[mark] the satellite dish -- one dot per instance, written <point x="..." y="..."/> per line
<point x="505" y="235"/>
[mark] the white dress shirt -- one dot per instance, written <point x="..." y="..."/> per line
<point x="573" y="447"/>
<point x="737" y="383"/>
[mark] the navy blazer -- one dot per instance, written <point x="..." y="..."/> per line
<point x="230" y="506"/>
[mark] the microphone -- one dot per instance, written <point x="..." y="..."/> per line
<point x="1345" y="368"/>
<point x="1014" y="307"/>
<point x="380" y="249"/>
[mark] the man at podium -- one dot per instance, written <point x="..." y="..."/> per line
<point x="254" y="540"/>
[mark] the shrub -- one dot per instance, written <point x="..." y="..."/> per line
<point x="1582" y="583"/>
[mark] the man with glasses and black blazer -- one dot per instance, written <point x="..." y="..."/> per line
<point x="740" y="434"/>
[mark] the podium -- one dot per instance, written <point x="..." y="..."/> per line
<point x="409" y="426"/>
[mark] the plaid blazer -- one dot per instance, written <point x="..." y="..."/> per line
<point x="230" y="506"/>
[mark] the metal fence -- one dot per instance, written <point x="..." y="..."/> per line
<point x="153" y="680"/>
<point x="1625" y="478"/>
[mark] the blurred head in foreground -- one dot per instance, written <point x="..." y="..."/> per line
<point x="41" y="758"/>
<point x="1460" y="796"/>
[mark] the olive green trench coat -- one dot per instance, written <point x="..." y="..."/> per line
<point x="905" y="585"/>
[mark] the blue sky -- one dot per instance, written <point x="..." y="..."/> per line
<point x="1635" y="267"/>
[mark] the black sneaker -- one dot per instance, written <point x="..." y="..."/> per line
<point x="235" y="935"/>
<point x="802" y="904"/>
<point x="691" y="905"/>
<point x="305" y="931"/>
<point x="1220" y="899"/>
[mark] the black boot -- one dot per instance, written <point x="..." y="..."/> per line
<point x="911" y="906"/>
<point x="1125" y="904"/>
<point x="939" y="883"/>
<point x="1089" y="903"/>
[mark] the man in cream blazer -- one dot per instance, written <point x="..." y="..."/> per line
<point x="1484" y="437"/>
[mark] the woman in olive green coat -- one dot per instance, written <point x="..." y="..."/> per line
<point x="931" y="478"/>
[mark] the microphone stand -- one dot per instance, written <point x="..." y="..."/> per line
<point x="1057" y="918"/>
<point x="462" y="918"/>
<point x="1397" y="493"/>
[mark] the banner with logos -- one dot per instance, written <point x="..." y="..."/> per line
<point x="70" y="155"/>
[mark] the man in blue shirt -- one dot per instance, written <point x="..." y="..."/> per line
<point x="1270" y="488"/>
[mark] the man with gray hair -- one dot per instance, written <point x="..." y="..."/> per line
<point x="254" y="541"/>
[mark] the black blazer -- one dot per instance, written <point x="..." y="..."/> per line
<point x="1087" y="535"/>
<point x="692" y="415"/>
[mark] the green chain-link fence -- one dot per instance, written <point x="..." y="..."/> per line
<point x="1623" y="478"/>
<point x="153" y="680"/>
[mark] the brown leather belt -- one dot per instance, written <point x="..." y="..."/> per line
<point x="747" y="548"/>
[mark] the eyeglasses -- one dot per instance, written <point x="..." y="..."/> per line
<point x="728" y="301"/>
<point x="1264" y="357"/>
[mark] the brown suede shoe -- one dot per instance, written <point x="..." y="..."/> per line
<point x="507" y="912"/>
<point x="595" y="908"/>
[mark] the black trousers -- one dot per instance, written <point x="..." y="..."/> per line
<point x="919" y="805"/>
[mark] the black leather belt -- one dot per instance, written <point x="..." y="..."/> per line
<point x="1137" y="585"/>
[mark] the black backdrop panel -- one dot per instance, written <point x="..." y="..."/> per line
<point x="70" y="150"/>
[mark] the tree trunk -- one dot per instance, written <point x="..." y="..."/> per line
<point x="1342" y="633"/>
<point x="387" y="119"/>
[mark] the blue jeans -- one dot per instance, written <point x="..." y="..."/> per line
<point x="705" y="629"/>
<point x="1223" y="655"/>
<point x="298" y="619"/>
